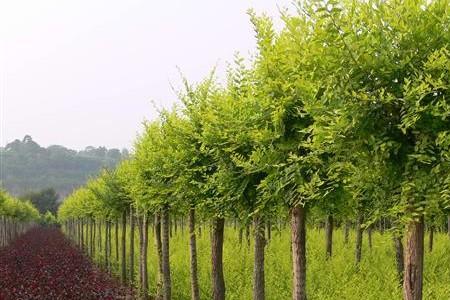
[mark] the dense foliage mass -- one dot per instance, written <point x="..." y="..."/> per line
<point x="28" y="167"/>
<point x="342" y="118"/>
<point x="16" y="217"/>
<point x="45" y="200"/>
<point x="43" y="264"/>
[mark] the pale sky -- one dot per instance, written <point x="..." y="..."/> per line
<point x="85" y="72"/>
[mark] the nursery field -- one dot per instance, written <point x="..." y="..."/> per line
<point x="336" y="278"/>
<point x="43" y="264"/>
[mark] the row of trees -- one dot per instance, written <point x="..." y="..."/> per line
<point x="16" y="217"/>
<point x="344" y="112"/>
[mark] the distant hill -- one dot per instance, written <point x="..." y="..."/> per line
<point x="26" y="166"/>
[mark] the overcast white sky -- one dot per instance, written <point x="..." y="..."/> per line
<point x="84" y="72"/>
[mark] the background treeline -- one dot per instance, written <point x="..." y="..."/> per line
<point x="28" y="167"/>
<point x="342" y="119"/>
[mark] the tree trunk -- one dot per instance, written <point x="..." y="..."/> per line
<point x="116" y="239"/>
<point x="94" y="238"/>
<point x="413" y="277"/>
<point x="448" y="226"/>
<point x="141" y="247"/>
<point x="123" y="248"/>
<point x="195" y="291"/>
<point x="398" y="244"/>
<point x="143" y="242"/>
<point x="298" y="240"/>
<point x="431" y="240"/>
<point x="106" y="246"/>
<point x="100" y="238"/>
<point x="144" y="257"/>
<point x="165" y="224"/>
<point x="258" y="270"/>
<point x="329" y="236"/>
<point x="82" y="235"/>
<point x="158" y="244"/>
<point x="132" y="230"/>
<point x="247" y="235"/>
<point x="269" y="231"/>
<point x="359" y="238"/>
<point x="218" y="281"/>
<point x="369" y="236"/>
<point x="346" y="232"/>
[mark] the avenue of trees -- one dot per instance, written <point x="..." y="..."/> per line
<point x="342" y="117"/>
<point x="16" y="217"/>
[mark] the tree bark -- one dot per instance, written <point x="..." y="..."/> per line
<point x="165" y="224"/>
<point x="329" y="236"/>
<point x="82" y="235"/>
<point x="144" y="257"/>
<point x="399" y="260"/>
<point x="346" y="232"/>
<point x="413" y="277"/>
<point x="258" y="270"/>
<point x="359" y="238"/>
<point x="195" y="291"/>
<point x="241" y="234"/>
<point x="106" y="246"/>
<point x="141" y="247"/>
<point x="269" y="231"/>
<point x="143" y="243"/>
<point x="132" y="231"/>
<point x="298" y="232"/>
<point x="448" y="226"/>
<point x="247" y="235"/>
<point x="158" y="244"/>
<point x="369" y="236"/>
<point x="218" y="281"/>
<point x="100" y="238"/>
<point x="123" y="248"/>
<point x="116" y="239"/>
<point x="431" y="239"/>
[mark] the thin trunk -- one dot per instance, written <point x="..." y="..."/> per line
<point x="258" y="270"/>
<point x="448" y="225"/>
<point x="100" y="240"/>
<point x="144" y="257"/>
<point x="165" y="224"/>
<point x="346" y="232"/>
<point x="247" y="235"/>
<point x="369" y="236"/>
<point x="413" y="277"/>
<point x="399" y="261"/>
<point x="269" y="231"/>
<point x="116" y="239"/>
<point x="82" y="235"/>
<point x="106" y="246"/>
<point x="158" y="243"/>
<point x="329" y="236"/>
<point x="94" y="237"/>
<point x="298" y="240"/>
<point x="431" y="240"/>
<point x="123" y="248"/>
<point x="143" y="281"/>
<point x="359" y="238"/>
<point x="141" y="246"/>
<point x="132" y="231"/>
<point x="195" y="291"/>
<point x="218" y="281"/>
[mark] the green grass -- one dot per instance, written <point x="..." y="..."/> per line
<point x="337" y="278"/>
